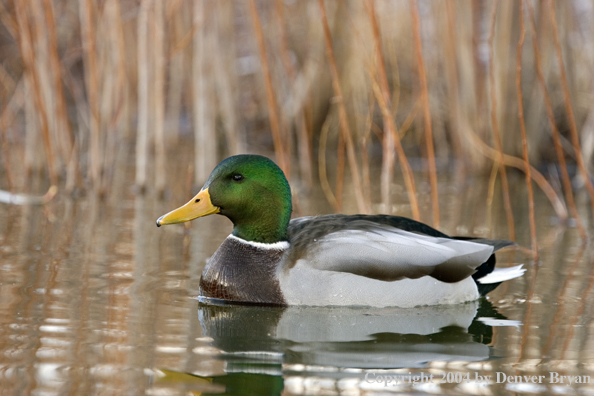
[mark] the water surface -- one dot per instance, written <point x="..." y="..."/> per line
<point x="96" y="300"/>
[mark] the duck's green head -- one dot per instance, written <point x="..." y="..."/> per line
<point x="251" y="191"/>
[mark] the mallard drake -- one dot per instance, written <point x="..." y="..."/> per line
<point x="329" y="260"/>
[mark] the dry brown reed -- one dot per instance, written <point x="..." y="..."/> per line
<point x="227" y="81"/>
<point x="575" y="140"/>
<point x="557" y="203"/>
<point x="26" y="38"/>
<point x="337" y="98"/>
<point x="345" y="131"/>
<point x="142" y="140"/>
<point x="303" y="134"/>
<point x="525" y="155"/>
<point x="90" y="61"/>
<point x="453" y="86"/>
<point x="279" y="144"/>
<point x="158" y="40"/>
<point x="82" y="80"/>
<point x="202" y="93"/>
<point x="554" y="129"/>
<point x="390" y="140"/>
<point x="389" y="131"/>
<point x="426" y="113"/>
<point x="495" y="129"/>
<point x="63" y="127"/>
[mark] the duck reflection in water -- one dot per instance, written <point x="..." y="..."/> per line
<point x="352" y="337"/>
<point x="262" y="345"/>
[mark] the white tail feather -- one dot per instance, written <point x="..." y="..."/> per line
<point x="496" y="322"/>
<point x="502" y="274"/>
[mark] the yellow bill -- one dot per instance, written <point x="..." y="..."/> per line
<point x="198" y="206"/>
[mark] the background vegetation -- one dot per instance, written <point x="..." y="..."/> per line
<point x="332" y="87"/>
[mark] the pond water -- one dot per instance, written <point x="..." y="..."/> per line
<point x="96" y="300"/>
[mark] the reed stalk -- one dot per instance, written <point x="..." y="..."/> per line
<point x="452" y="70"/>
<point x="42" y="66"/>
<point x="396" y="134"/>
<point x="205" y="147"/>
<point x="426" y="113"/>
<point x="410" y="118"/>
<point x="304" y="146"/>
<point x="575" y="140"/>
<point x="479" y="65"/>
<point x="28" y="55"/>
<point x="531" y="216"/>
<point x="323" y="174"/>
<point x="555" y="132"/>
<point x="339" y="170"/>
<point x="388" y="159"/>
<point x="7" y="115"/>
<point x="142" y="137"/>
<point x="345" y="131"/>
<point x="64" y="129"/>
<point x="491" y="192"/>
<point x="365" y="171"/>
<point x="518" y="163"/>
<point x="409" y="180"/>
<point x="227" y="81"/>
<point x="176" y="69"/>
<point x="6" y="157"/>
<point x="277" y="136"/>
<point x="87" y="21"/>
<point x="158" y="30"/>
<point x="495" y="129"/>
<point x="114" y="107"/>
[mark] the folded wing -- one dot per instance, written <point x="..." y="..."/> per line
<point x="387" y="253"/>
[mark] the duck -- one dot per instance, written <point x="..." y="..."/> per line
<point x="329" y="260"/>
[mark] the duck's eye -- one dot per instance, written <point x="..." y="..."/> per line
<point x="197" y="200"/>
<point x="238" y="177"/>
